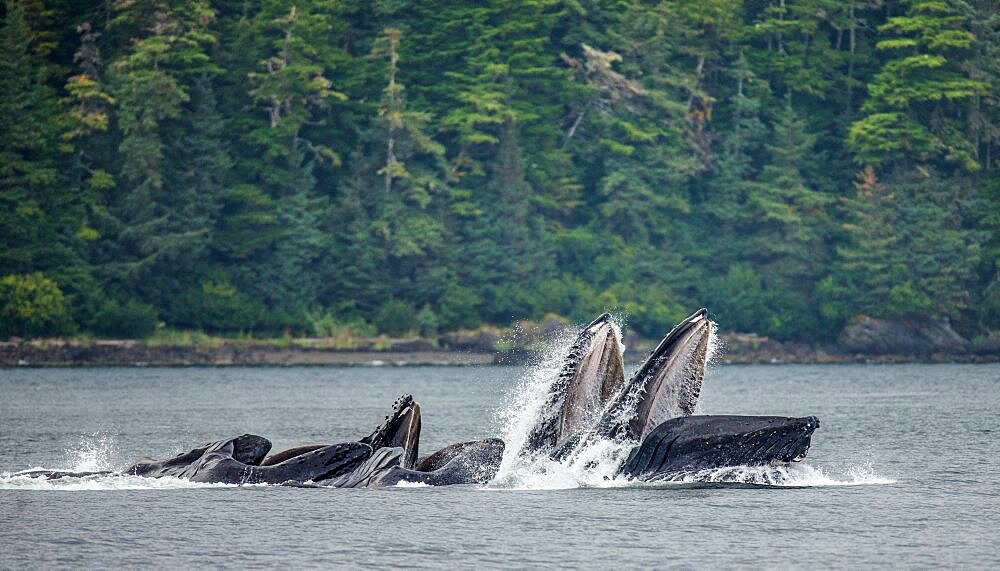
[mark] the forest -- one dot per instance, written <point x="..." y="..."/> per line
<point x="411" y="167"/>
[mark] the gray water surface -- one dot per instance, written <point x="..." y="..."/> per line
<point x="902" y="472"/>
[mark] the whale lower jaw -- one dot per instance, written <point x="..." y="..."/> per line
<point x="705" y="442"/>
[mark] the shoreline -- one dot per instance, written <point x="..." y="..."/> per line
<point x="131" y="353"/>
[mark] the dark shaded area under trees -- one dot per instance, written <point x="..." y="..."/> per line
<point x="421" y="166"/>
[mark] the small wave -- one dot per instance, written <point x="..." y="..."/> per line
<point x="404" y="484"/>
<point x="557" y="476"/>
<point x="109" y="482"/>
<point x="791" y="476"/>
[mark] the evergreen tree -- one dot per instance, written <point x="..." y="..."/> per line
<point x="914" y="100"/>
<point x="38" y="214"/>
<point x="150" y="90"/>
<point x="291" y="88"/>
<point x="198" y="173"/>
<point x="790" y="217"/>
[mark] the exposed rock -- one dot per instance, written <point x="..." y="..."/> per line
<point x="483" y="340"/>
<point x="989" y="345"/>
<point x="873" y="336"/>
<point x="411" y="345"/>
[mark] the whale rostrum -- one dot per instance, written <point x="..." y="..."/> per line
<point x="589" y="400"/>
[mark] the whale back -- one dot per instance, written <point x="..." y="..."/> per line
<point x="475" y="462"/>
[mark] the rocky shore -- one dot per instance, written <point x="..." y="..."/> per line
<point x="866" y="340"/>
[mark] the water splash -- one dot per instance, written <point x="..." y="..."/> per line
<point x="94" y="453"/>
<point x="593" y="465"/>
<point x="527" y="399"/>
<point x="791" y="476"/>
<point x="405" y="484"/>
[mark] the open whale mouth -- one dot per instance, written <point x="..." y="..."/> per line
<point x="401" y="428"/>
<point x="592" y="372"/>
<point x="666" y="385"/>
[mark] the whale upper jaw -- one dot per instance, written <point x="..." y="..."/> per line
<point x="592" y="372"/>
<point x="667" y="385"/>
<point x="401" y="428"/>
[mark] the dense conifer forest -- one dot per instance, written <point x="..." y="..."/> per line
<point x="419" y="166"/>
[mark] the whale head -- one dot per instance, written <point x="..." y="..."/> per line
<point x="667" y="384"/>
<point x="691" y="443"/>
<point x="592" y="372"/>
<point x="401" y="428"/>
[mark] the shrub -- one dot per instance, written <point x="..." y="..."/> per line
<point x="396" y="318"/>
<point x="427" y="321"/>
<point x="133" y="320"/>
<point x="32" y="305"/>
<point x="224" y="308"/>
<point x="327" y="325"/>
<point x="905" y="300"/>
<point x="989" y="308"/>
<point x="458" y="308"/>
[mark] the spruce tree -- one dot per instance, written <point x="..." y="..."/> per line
<point x="915" y="99"/>
<point x="39" y="215"/>
<point x="150" y="90"/>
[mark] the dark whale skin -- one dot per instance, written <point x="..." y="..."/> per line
<point x="701" y="442"/>
<point x="233" y="461"/>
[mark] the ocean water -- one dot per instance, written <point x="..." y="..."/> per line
<point x="902" y="472"/>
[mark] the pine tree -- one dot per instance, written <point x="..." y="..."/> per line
<point x="914" y="100"/>
<point x="150" y="89"/>
<point x="907" y="256"/>
<point x="413" y="170"/>
<point x="38" y="214"/>
<point x="868" y="264"/>
<point x="291" y="88"/>
<point x="791" y="219"/>
<point x="198" y="169"/>
<point x="726" y="193"/>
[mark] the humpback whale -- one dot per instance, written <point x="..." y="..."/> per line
<point x="654" y="410"/>
<point x="652" y="415"/>
<point x="385" y="457"/>
<point x="592" y="372"/>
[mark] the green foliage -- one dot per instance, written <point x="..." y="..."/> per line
<point x="989" y="307"/>
<point x="396" y="318"/>
<point x="131" y="320"/>
<point x="39" y="214"/>
<point x="458" y="308"/>
<point x="427" y="321"/>
<point x="327" y="325"/>
<point x="739" y="300"/>
<point x="913" y="101"/>
<point x="224" y="308"/>
<point x="32" y="305"/>
<point x="346" y="168"/>
<point x="906" y="301"/>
